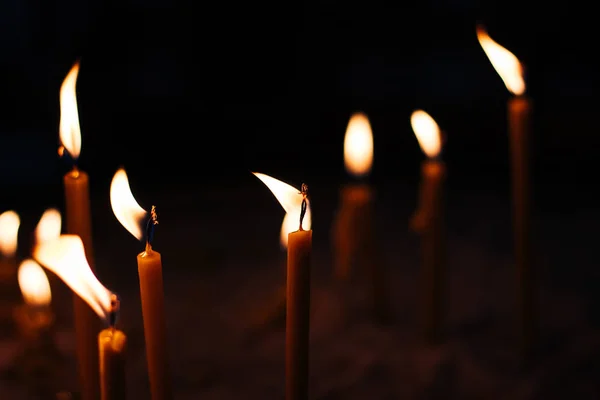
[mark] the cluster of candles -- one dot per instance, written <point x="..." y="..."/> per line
<point x="100" y="352"/>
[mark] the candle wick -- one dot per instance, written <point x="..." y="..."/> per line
<point x="304" y="205"/>
<point x="115" y="306"/>
<point x="152" y="222"/>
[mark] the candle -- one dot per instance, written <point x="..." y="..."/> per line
<point x="77" y="202"/>
<point x="353" y="231"/>
<point x="9" y="291"/>
<point x="297" y="325"/>
<point x="428" y="221"/>
<point x="131" y="215"/>
<point x="65" y="256"/>
<point x="34" y="318"/>
<point x="519" y="109"/>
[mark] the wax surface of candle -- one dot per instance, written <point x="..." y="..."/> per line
<point x="297" y="315"/>
<point x="153" y="310"/>
<point x="87" y="324"/>
<point x="111" y="345"/>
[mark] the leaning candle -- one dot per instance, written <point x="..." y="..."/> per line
<point x="428" y="221"/>
<point x="519" y="109"/>
<point x="65" y="256"/>
<point x="297" y="325"/>
<point x="130" y="215"/>
<point x="78" y="215"/>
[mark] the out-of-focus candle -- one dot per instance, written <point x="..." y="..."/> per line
<point x="429" y="223"/>
<point x="510" y="70"/>
<point x="354" y="235"/>
<point x="131" y="216"/>
<point x="297" y="327"/>
<point x="78" y="221"/>
<point x="65" y="256"/>
<point x="9" y="231"/>
<point x="34" y="317"/>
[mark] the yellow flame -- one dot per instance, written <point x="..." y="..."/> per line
<point x="427" y="132"/>
<point x="65" y="256"/>
<point x="358" y="145"/>
<point x="9" y="231"/>
<point x="49" y="226"/>
<point x="124" y="206"/>
<point x="505" y="63"/>
<point x="69" y="130"/>
<point x="34" y="284"/>
<point x="290" y="199"/>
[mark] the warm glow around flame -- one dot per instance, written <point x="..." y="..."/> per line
<point x="34" y="284"/>
<point x="505" y="63"/>
<point x="358" y="145"/>
<point x="124" y="206"/>
<point x="69" y="131"/>
<point x="49" y="226"/>
<point x="65" y="257"/>
<point x="427" y="132"/>
<point x="290" y="199"/>
<point x="9" y="231"/>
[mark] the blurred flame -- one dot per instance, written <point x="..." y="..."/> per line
<point x="427" y="132"/>
<point x="9" y="231"/>
<point x="49" y="226"/>
<point x="65" y="257"/>
<point x="290" y="199"/>
<point x="358" y="145"/>
<point x="69" y="131"/>
<point x="505" y="63"/>
<point x="34" y="284"/>
<point x="124" y="206"/>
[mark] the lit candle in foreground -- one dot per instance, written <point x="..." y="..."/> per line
<point x="519" y="109"/>
<point x="78" y="221"/>
<point x="428" y="221"/>
<point x="297" y="319"/>
<point x="129" y="213"/>
<point x="65" y="256"/>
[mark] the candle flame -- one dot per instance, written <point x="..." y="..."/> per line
<point x="358" y="145"/>
<point x="505" y="63"/>
<point x="124" y="206"/>
<point x="427" y="132"/>
<point x="49" y="226"/>
<point x="9" y="231"/>
<point x="69" y="130"/>
<point x="290" y="199"/>
<point x="65" y="256"/>
<point x="34" y="284"/>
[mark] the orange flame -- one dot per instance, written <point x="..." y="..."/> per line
<point x="290" y="199"/>
<point x="9" y="231"/>
<point x="124" y="206"/>
<point x="69" y="130"/>
<point x="504" y="62"/>
<point x="358" y="145"/>
<point x="49" y="226"/>
<point x="427" y="132"/>
<point x="65" y="256"/>
<point x="34" y="284"/>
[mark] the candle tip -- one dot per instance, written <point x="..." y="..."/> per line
<point x="304" y="193"/>
<point x="115" y="306"/>
<point x="150" y="227"/>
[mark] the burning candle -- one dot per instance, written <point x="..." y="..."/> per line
<point x="519" y="109"/>
<point x="9" y="231"/>
<point x="65" y="256"/>
<point x="49" y="226"/>
<point x="297" y="327"/>
<point x="34" y="317"/>
<point x="131" y="216"/>
<point x="353" y="229"/>
<point x="428" y="221"/>
<point x="77" y="202"/>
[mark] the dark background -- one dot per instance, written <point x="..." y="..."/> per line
<point x="186" y="93"/>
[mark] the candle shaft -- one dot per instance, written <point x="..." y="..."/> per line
<point x="431" y="213"/>
<point x="111" y="345"/>
<point x="297" y="315"/>
<point x="153" y="312"/>
<point x="87" y="324"/>
<point x="519" y="109"/>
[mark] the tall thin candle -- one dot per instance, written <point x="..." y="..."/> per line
<point x="78" y="222"/>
